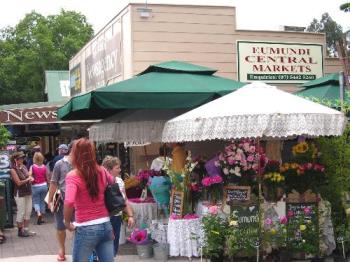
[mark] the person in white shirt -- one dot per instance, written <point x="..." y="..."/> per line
<point x="158" y="163"/>
<point x="112" y="165"/>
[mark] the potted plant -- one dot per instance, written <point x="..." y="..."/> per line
<point x="143" y="244"/>
<point x="215" y="229"/>
<point x="213" y="185"/>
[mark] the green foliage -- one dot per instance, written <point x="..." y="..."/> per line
<point x="332" y="30"/>
<point x="36" y="44"/>
<point x="4" y="135"/>
<point x="215" y="229"/>
<point x="336" y="157"/>
<point x="345" y="7"/>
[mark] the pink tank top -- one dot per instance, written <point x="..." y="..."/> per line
<point x="39" y="174"/>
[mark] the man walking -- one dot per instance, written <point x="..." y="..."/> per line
<point x="58" y="181"/>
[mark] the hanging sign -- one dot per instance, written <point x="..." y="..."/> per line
<point x="279" y="62"/>
<point x="176" y="203"/>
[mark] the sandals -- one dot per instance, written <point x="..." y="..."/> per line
<point x="61" y="257"/>
<point x="2" y="239"/>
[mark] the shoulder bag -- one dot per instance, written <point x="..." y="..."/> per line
<point x="114" y="199"/>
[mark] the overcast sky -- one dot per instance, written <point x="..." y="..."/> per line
<point x="251" y="14"/>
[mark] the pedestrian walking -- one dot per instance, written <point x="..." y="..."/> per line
<point x="22" y="193"/>
<point x="39" y="173"/>
<point x="58" y="183"/>
<point x="85" y="187"/>
<point x="112" y="165"/>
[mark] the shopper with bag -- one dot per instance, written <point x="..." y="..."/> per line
<point x="22" y="193"/>
<point x="55" y="200"/>
<point x="85" y="194"/>
<point x="112" y="165"/>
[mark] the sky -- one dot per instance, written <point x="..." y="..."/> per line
<point x="251" y="14"/>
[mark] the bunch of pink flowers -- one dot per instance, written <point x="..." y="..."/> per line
<point x="239" y="157"/>
<point x="211" y="180"/>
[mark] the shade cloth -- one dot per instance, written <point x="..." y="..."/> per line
<point x="134" y="126"/>
<point x="256" y="110"/>
<point x="166" y="85"/>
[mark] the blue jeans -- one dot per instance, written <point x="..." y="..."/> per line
<point x="96" y="237"/>
<point x="38" y="194"/>
<point x="116" y="222"/>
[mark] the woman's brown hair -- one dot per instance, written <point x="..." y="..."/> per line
<point x="84" y="160"/>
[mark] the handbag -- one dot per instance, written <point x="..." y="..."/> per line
<point x="114" y="199"/>
<point x="56" y="201"/>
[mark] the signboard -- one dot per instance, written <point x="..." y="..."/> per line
<point x="104" y="63"/>
<point x="176" y="203"/>
<point x="29" y="115"/>
<point x="298" y="208"/>
<point x="279" y="62"/>
<point x="4" y="163"/>
<point x="75" y="80"/>
<point x="236" y="194"/>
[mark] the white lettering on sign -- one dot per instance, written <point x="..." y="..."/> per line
<point x="7" y="116"/>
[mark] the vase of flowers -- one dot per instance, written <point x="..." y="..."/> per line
<point x="273" y="181"/>
<point x="215" y="229"/>
<point x="143" y="244"/>
<point x="213" y="185"/>
<point x="240" y="162"/>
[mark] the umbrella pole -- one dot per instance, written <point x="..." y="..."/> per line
<point x="146" y="155"/>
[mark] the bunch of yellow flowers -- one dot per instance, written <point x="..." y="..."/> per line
<point x="300" y="148"/>
<point x="274" y="177"/>
<point x="286" y="166"/>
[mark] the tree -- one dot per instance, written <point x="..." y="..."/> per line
<point x="345" y="7"/>
<point x="36" y="44"/>
<point x="4" y="135"/>
<point x="332" y="30"/>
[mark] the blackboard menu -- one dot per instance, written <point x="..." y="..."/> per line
<point x="236" y="194"/>
<point x="299" y="208"/>
<point x="176" y="203"/>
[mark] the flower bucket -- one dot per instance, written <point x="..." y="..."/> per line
<point x="161" y="252"/>
<point x="144" y="251"/>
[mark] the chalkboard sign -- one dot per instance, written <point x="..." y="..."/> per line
<point x="236" y="194"/>
<point x="296" y="234"/>
<point x="176" y="203"/>
<point x="298" y="208"/>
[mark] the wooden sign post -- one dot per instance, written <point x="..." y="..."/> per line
<point x="176" y="203"/>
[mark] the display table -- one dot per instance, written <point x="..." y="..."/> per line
<point x="144" y="211"/>
<point x="184" y="237"/>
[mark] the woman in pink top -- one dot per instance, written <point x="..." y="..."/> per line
<point x="85" y="187"/>
<point x="39" y="186"/>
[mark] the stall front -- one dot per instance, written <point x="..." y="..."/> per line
<point x="253" y="113"/>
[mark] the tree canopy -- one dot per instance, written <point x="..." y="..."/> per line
<point x="345" y="7"/>
<point x="38" y="43"/>
<point x="331" y="28"/>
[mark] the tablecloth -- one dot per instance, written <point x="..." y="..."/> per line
<point x="144" y="212"/>
<point x="184" y="237"/>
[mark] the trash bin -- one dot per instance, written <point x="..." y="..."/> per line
<point x="6" y="210"/>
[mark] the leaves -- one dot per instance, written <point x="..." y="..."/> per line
<point x="36" y="44"/>
<point x="333" y="31"/>
<point x="4" y="135"/>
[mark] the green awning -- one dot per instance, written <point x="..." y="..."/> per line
<point x="169" y="85"/>
<point x="324" y="89"/>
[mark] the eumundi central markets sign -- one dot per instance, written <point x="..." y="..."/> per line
<point x="279" y="62"/>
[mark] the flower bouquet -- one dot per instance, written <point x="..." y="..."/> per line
<point x="304" y="152"/>
<point x="273" y="181"/>
<point x="140" y="238"/>
<point x="213" y="185"/>
<point x="240" y="162"/>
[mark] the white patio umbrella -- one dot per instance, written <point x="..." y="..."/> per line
<point x="256" y="110"/>
<point x="133" y="127"/>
